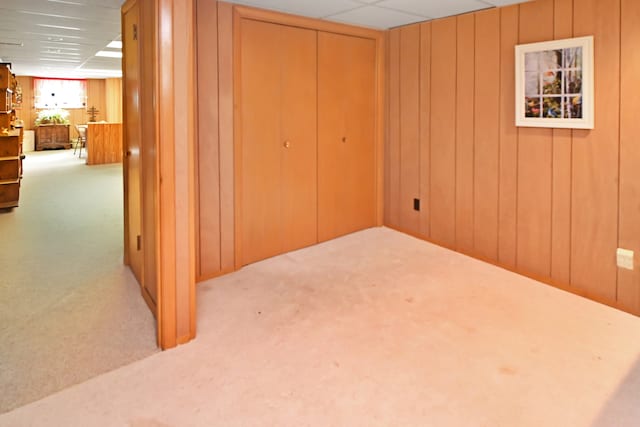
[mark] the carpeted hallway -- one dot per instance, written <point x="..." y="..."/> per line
<point x="69" y="309"/>
<point x="374" y="329"/>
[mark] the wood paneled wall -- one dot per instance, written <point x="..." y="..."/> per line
<point x="553" y="204"/>
<point x="215" y="222"/>
<point x="113" y="100"/>
<point x="104" y="94"/>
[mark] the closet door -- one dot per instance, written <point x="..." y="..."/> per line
<point x="278" y="113"/>
<point x="346" y="134"/>
<point x="299" y="138"/>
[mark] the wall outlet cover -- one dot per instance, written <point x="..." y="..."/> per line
<point x="624" y="258"/>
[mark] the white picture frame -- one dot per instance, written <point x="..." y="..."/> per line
<point x="554" y="84"/>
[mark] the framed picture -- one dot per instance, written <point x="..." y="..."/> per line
<point x="554" y="84"/>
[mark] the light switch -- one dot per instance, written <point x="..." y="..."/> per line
<point x="624" y="258"/>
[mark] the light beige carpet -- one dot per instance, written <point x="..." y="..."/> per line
<point x="69" y="309"/>
<point x="374" y="329"/>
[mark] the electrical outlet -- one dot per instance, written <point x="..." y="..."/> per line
<point x="624" y="258"/>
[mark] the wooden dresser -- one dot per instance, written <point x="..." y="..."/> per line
<point x="52" y="136"/>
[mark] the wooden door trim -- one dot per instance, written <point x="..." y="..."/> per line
<point x="246" y="12"/>
<point x="125" y="142"/>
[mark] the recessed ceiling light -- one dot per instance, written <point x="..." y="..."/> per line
<point x="59" y="52"/>
<point x="59" y="60"/>
<point x="60" y="27"/>
<point x="67" y="2"/>
<point x="116" y="44"/>
<point x="109" y="54"/>
<point x="61" y="48"/>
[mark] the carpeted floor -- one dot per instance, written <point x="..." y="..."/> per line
<point x="69" y="309"/>
<point x="374" y="329"/>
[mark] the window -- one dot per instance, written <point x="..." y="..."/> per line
<point x="59" y="93"/>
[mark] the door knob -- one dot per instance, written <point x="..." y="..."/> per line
<point x="287" y="144"/>
<point x="344" y="139"/>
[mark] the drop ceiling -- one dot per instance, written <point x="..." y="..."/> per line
<point x="60" y="38"/>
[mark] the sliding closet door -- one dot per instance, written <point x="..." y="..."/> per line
<point x="346" y="134"/>
<point x="278" y="139"/>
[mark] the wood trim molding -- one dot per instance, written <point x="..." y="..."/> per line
<point x="125" y="143"/>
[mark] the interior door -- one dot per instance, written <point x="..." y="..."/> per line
<point x="132" y="140"/>
<point x="278" y="116"/>
<point x="346" y="134"/>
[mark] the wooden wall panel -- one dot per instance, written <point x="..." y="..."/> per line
<point x="392" y="175"/>
<point x="534" y="162"/>
<point x="409" y="126"/>
<point x="425" y="128"/>
<point x="465" y="90"/>
<point x="208" y="156"/>
<point x="386" y="185"/>
<point x="594" y="213"/>
<point x="508" y="139"/>
<point x="96" y="97"/>
<point x="487" y="144"/>
<point x="561" y="160"/>
<point x="443" y="132"/>
<point x="113" y="100"/>
<point x="629" y="231"/>
<point x="225" y="111"/>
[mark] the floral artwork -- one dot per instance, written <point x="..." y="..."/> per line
<point x="551" y="89"/>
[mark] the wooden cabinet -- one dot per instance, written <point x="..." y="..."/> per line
<point x="10" y="169"/>
<point x="52" y="136"/>
<point x="346" y="134"/>
<point x="306" y="137"/>
<point x="279" y="176"/>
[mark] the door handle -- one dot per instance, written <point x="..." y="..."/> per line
<point x="287" y="144"/>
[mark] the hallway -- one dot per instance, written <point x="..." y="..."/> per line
<point x="69" y="308"/>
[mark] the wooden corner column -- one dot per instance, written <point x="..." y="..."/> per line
<point x="176" y="145"/>
<point x="159" y="137"/>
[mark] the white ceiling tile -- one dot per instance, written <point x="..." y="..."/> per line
<point x="434" y="8"/>
<point x="376" y="17"/>
<point x="313" y="9"/>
